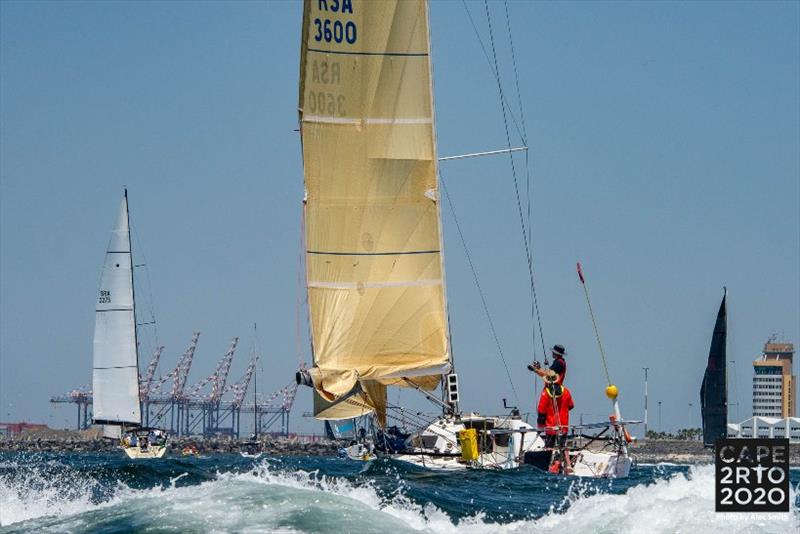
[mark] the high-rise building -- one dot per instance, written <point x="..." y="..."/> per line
<point x="774" y="387"/>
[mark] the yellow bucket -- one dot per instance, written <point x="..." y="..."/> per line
<point x="468" y="439"/>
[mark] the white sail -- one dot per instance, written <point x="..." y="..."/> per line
<point x="115" y="378"/>
<point x="112" y="431"/>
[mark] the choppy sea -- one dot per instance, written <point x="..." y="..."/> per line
<point x="48" y="492"/>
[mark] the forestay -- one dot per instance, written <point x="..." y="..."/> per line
<point x="115" y="377"/>
<point x="373" y="260"/>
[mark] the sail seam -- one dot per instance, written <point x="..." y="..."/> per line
<point x="346" y="53"/>
<point x="371" y="285"/>
<point x="115" y="310"/>
<point x="378" y="120"/>
<point x="326" y="253"/>
<point x="117" y="367"/>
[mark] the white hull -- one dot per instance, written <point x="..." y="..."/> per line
<point x="153" y="451"/>
<point x="504" y="443"/>
<point x="359" y="452"/>
<point x="600" y="464"/>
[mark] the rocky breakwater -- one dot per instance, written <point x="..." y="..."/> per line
<point x="56" y="441"/>
<point x="272" y="445"/>
<point x="90" y="441"/>
<point x="686" y="452"/>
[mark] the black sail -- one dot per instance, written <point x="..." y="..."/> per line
<point x="714" y="391"/>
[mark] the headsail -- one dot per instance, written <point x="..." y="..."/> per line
<point x="373" y="239"/>
<point x="714" y="392"/>
<point x="115" y="378"/>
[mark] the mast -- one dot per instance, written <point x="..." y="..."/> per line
<point x="133" y="292"/>
<point x="255" y="392"/>
<point x="443" y="383"/>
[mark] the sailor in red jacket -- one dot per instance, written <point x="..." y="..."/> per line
<point x="555" y="402"/>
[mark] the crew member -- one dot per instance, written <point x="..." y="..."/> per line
<point x="559" y="365"/>
<point x="555" y="403"/>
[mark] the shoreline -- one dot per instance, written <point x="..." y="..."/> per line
<point x="273" y="445"/>
<point x="652" y="451"/>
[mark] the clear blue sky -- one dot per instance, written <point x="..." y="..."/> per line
<point x="665" y="149"/>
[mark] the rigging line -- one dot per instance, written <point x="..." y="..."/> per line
<point x="516" y="75"/>
<point x="495" y="73"/>
<point x="412" y="417"/>
<point x="527" y="188"/>
<point x="528" y="255"/>
<point x="151" y="302"/>
<point x="528" y="181"/>
<point x="522" y="119"/>
<point x="478" y="285"/>
<point x="594" y="323"/>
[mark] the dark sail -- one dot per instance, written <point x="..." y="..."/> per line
<point x="714" y="391"/>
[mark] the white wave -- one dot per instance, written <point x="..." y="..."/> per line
<point x="32" y="494"/>
<point x="678" y="504"/>
<point x="266" y="499"/>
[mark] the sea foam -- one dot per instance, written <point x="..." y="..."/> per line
<point x="269" y="498"/>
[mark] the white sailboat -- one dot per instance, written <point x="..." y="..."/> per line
<point x="115" y="375"/>
<point x="374" y="257"/>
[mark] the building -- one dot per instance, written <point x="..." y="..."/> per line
<point x="774" y="385"/>
<point x="15" y="429"/>
<point x="767" y="427"/>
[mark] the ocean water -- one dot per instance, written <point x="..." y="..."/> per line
<point x="48" y="492"/>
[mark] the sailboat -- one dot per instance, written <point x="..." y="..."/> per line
<point x="115" y="375"/>
<point x="374" y="257"/>
<point x="713" y="391"/>
<point x="252" y="447"/>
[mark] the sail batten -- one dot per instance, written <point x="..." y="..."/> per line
<point x="115" y="373"/>
<point x="374" y="273"/>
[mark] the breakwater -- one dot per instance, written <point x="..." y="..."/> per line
<point x="272" y="445"/>
<point x="650" y="451"/>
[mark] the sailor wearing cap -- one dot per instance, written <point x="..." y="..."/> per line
<point x="559" y="365"/>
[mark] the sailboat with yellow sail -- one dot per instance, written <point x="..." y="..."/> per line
<point x="374" y="262"/>
<point x="374" y="259"/>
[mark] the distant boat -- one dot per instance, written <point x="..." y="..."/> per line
<point x="714" y="391"/>
<point x="115" y="375"/>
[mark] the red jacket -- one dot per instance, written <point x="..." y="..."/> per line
<point x="555" y="402"/>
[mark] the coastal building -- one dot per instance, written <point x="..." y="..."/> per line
<point x="774" y="385"/>
<point x="767" y="427"/>
<point x="15" y="429"/>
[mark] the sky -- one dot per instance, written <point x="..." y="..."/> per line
<point x="664" y="155"/>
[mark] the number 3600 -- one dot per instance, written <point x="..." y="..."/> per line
<point x="328" y="30"/>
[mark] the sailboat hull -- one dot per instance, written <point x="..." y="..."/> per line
<point x="153" y="451"/>
<point x="505" y="443"/>
<point x="502" y="443"/>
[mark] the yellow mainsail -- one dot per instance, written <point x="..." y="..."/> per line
<point x="373" y="239"/>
